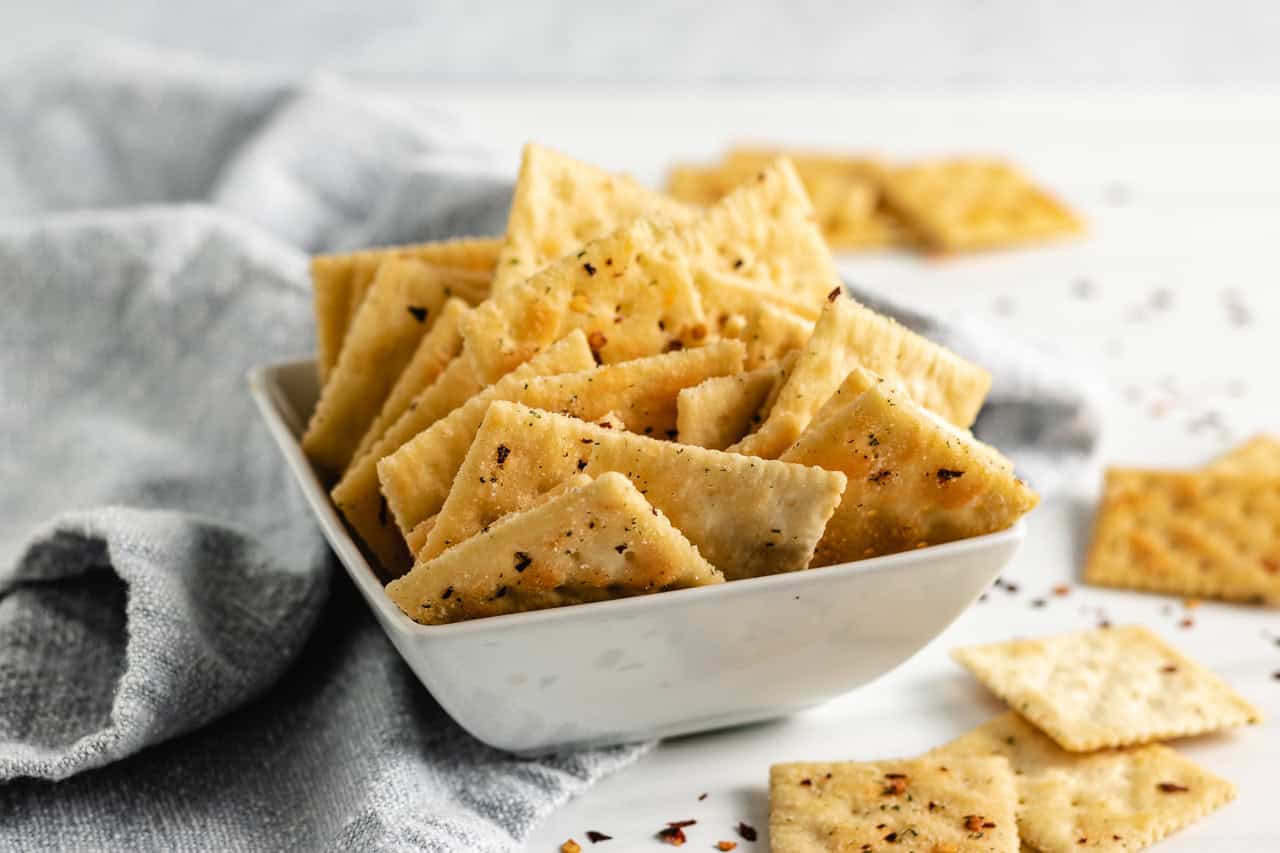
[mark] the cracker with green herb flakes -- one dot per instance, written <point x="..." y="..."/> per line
<point x="402" y="305"/>
<point x="1110" y="800"/>
<point x="957" y="805"/>
<point x="358" y="496"/>
<point x="966" y="204"/>
<point x="560" y="204"/>
<point x="1107" y="687"/>
<point x="1257" y="457"/>
<point x="849" y="335"/>
<point x="631" y="293"/>
<point x="719" y="411"/>
<point x="914" y="479"/>
<point x="599" y="541"/>
<point x="417" y="477"/>
<point x="435" y="351"/>
<point x="727" y="293"/>
<point x="1188" y="533"/>
<point x="749" y="517"/>
<point x="339" y="284"/>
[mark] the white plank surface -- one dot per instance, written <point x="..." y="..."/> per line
<point x="1173" y="301"/>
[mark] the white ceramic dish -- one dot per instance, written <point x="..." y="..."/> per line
<point x="657" y="665"/>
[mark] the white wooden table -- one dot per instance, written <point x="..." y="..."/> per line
<point x="1174" y="300"/>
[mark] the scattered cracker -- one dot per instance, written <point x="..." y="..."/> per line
<point x="1257" y="457"/>
<point x="914" y="479"/>
<point x="748" y="517"/>
<point x="1189" y="534"/>
<point x="849" y="335"/>
<point x="340" y="282"/>
<point x="1107" y="687"/>
<point x="959" y="205"/>
<point x="434" y="353"/>
<point x="1113" y="800"/>
<point x="926" y="804"/>
<point x="771" y="334"/>
<point x="599" y="541"/>
<point x="417" y="477"/>
<point x="560" y="204"/>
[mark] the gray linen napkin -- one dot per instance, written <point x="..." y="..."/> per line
<point x="175" y="646"/>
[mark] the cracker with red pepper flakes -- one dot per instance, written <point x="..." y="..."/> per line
<point x="772" y="333"/>
<point x="914" y="479"/>
<point x="747" y="516"/>
<point x="600" y="541"/>
<point x="357" y="494"/>
<point x="966" y="204"/>
<point x="959" y="805"/>
<point x="721" y="410"/>
<point x="340" y="282"/>
<point x="417" y="477"/>
<point x="1257" y="457"/>
<point x="401" y="307"/>
<point x="1112" y="800"/>
<point x="729" y="293"/>
<point x="438" y="347"/>
<point x="1188" y="533"/>
<point x="1107" y="687"/>
<point x="560" y="203"/>
<point x="849" y="335"/>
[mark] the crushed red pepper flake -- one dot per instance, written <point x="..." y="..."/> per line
<point x="974" y="822"/>
<point x="596" y="837"/>
<point x="1172" y="788"/>
<point x="1061" y="590"/>
<point x="596" y="340"/>
<point x="1187" y="622"/>
<point x="571" y="846"/>
<point x="681" y="824"/>
<point x="806" y="782"/>
<point x="726" y="845"/>
<point x="1172" y="667"/>
<point x="895" y="783"/>
<point x="698" y="332"/>
<point x="672" y="835"/>
<point x="747" y="831"/>
<point x="834" y="294"/>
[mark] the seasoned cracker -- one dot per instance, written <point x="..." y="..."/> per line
<point x="417" y="477"/>
<point x="1111" y="800"/>
<point x="560" y="204"/>
<point x="358" y="496"/>
<point x="598" y="541"/>
<point x="1257" y="457"/>
<point x="437" y="348"/>
<point x="721" y="410"/>
<point x="748" y="517"/>
<point x="726" y="293"/>
<point x="849" y="335"/>
<point x="914" y="479"/>
<point x="1107" y="687"/>
<point x="772" y="334"/>
<point x="1205" y="535"/>
<point x="402" y="305"/>
<point x="928" y="805"/>
<point x="339" y="284"/>
<point x="960" y="205"/>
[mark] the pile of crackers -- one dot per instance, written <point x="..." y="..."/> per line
<point x="626" y="394"/>
<point x="1076" y="764"/>
<point x="864" y="202"/>
<point x="1212" y="533"/>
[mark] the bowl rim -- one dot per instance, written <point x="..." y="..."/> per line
<point x="269" y="396"/>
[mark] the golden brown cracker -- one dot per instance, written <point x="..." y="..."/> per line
<point x="719" y="411"/>
<point x="1183" y="533"/>
<point x="931" y="805"/>
<point x="1110" y="800"/>
<point x="1257" y="457"/>
<point x="339" y="283"/>
<point x="966" y="204"/>
<point x="914" y="479"/>
<point x="748" y="517"/>
<point x="416" y="478"/>
<point x="849" y="335"/>
<point x="1107" y="687"/>
<point x="560" y="204"/>
<point x="599" y="541"/>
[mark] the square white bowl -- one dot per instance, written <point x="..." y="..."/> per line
<point x="656" y="665"/>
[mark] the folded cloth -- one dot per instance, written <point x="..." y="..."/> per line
<point x="180" y="667"/>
